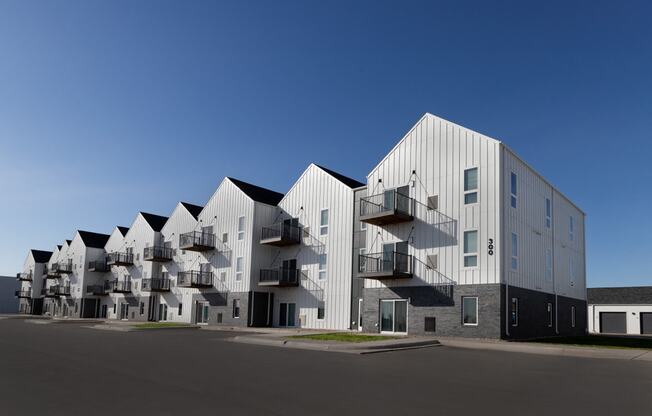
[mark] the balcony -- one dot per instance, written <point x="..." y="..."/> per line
<point x="156" y="285"/>
<point x="97" y="290"/>
<point x="98" y="266"/>
<point x="65" y="267"/>
<point x="118" y="286"/>
<point x="120" y="259"/>
<point x="197" y="241"/>
<point x="23" y="294"/>
<point x="26" y="277"/>
<point x="52" y="272"/>
<point x="158" y="254"/>
<point x="388" y="265"/>
<point x="281" y="234"/>
<point x="390" y="207"/>
<point x="63" y="290"/>
<point x="51" y="292"/>
<point x="280" y="277"/>
<point x="195" y="279"/>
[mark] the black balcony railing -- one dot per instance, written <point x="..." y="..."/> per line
<point x="23" y="293"/>
<point x="118" y="286"/>
<point x="158" y="254"/>
<point x="120" y="259"/>
<point x="281" y="234"/>
<point x="65" y="267"/>
<point x="98" y="266"/>
<point x="156" y="285"/>
<point x="388" y="265"/>
<point x="279" y="277"/>
<point x="195" y="278"/>
<point x="389" y="207"/>
<point x="97" y="290"/>
<point x="24" y="276"/>
<point x="51" y="292"/>
<point x="197" y="241"/>
<point x="63" y="290"/>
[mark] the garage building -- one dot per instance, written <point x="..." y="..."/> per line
<point x="620" y="310"/>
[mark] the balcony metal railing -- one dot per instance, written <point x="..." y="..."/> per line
<point x="118" y="286"/>
<point x="279" y="277"/>
<point x="120" y="259"/>
<point x="156" y="285"/>
<point x="385" y="265"/>
<point x="23" y="293"/>
<point x="158" y="254"/>
<point x="65" y="267"/>
<point x="24" y="276"/>
<point x="281" y="234"/>
<point x="195" y="278"/>
<point x="63" y="290"/>
<point x="98" y="266"/>
<point x="97" y="290"/>
<point x="197" y="241"/>
<point x="51" y="292"/>
<point x="389" y="207"/>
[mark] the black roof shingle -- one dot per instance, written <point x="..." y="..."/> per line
<point x="194" y="210"/>
<point x="95" y="240"/>
<point x="635" y="295"/>
<point x="258" y="193"/>
<point x="41" y="256"/>
<point x="351" y="183"/>
<point x="123" y="230"/>
<point x="155" y="221"/>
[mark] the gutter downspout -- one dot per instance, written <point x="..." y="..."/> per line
<point x="554" y="280"/>
<point x="501" y="192"/>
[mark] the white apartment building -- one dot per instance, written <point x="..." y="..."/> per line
<point x="31" y="282"/>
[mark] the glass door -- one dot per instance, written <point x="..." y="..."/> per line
<point x="393" y="316"/>
<point x="287" y="314"/>
<point x="388" y="257"/>
<point x="201" y="312"/>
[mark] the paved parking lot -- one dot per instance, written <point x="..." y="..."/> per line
<point x="65" y="369"/>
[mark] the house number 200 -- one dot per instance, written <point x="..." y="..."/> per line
<point x="491" y="246"/>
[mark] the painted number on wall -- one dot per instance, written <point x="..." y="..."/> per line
<point x="491" y="247"/>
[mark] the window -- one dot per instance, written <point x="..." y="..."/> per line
<point x="573" y="316"/>
<point x="142" y="308"/>
<point x="363" y="226"/>
<point x="323" y="259"/>
<point x="549" y="309"/>
<point x="241" y="228"/>
<point x="114" y="307"/>
<point x="512" y="190"/>
<point x="180" y="309"/>
<point x="548" y="264"/>
<point x="321" y="310"/>
<point x="223" y="277"/>
<point x="236" y="308"/>
<point x="571" y="271"/>
<point x="470" y="248"/>
<point x="225" y="238"/>
<point x="514" y="312"/>
<point x="323" y="222"/>
<point x="363" y="260"/>
<point x="514" y="251"/>
<point x="548" y="213"/>
<point x="571" y="229"/>
<point x="239" y="267"/>
<point x="469" y="310"/>
<point x="470" y="186"/>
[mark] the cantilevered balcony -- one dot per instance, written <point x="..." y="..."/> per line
<point x="26" y="277"/>
<point x="97" y="290"/>
<point x="118" y="286"/>
<point x="53" y="272"/>
<point x="390" y="207"/>
<point x="65" y="267"/>
<point x="51" y="292"/>
<point x="197" y="241"/>
<point x="98" y="266"/>
<point x="195" y="278"/>
<point x="280" y="277"/>
<point x="283" y="233"/>
<point x="63" y="290"/>
<point x="156" y="285"/>
<point x="23" y="293"/>
<point x="388" y="265"/>
<point x="158" y="254"/>
<point x="120" y="259"/>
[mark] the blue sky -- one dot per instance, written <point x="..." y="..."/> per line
<point x="111" y="107"/>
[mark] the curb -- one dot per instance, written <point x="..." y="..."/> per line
<point x="129" y="328"/>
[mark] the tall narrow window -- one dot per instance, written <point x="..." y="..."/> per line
<point x="571" y="271"/>
<point x="362" y="266"/>
<point x="513" y="190"/>
<point x="470" y="310"/>
<point x="514" y="312"/>
<point x="471" y="186"/>
<point x="549" y="310"/>
<point x="548" y="264"/>
<point x="573" y="316"/>
<point x="323" y="222"/>
<point x="470" y="248"/>
<point x="363" y="226"/>
<point x="239" y="268"/>
<point x="222" y="276"/>
<point x="571" y="228"/>
<point x="514" y="251"/>
<point x="323" y="260"/>
<point x="236" y="308"/>
<point x="321" y="309"/>
<point x="225" y="238"/>
<point x="241" y="228"/>
<point x="180" y="312"/>
<point x="548" y="213"/>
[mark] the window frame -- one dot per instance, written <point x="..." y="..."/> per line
<point x="550" y="314"/>
<point x="514" y="252"/>
<point x="571" y="228"/>
<point x="323" y="226"/>
<point x="573" y="321"/>
<point x="236" y="309"/>
<point x="323" y="270"/>
<point x="514" y="311"/>
<point x="321" y="310"/>
<point x="239" y="264"/>
<point x="513" y="190"/>
<point x="548" y="213"/>
<point x="241" y="231"/>
<point x="471" y="253"/>
<point x="548" y="264"/>
<point x="477" y="312"/>
<point x="180" y="309"/>
<point x="475" y="190"/>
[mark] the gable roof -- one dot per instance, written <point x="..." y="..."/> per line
<point x="68" y="242"/>
<point x="641" y="295"/>
<point x="41" y="256"/>
<point x="351" y="183"/>
<point x="194" y="210"/>
<point x="94" y="240"/>
<point x="123" y="230"/>
<point x="59" y="246"/>
<point x="155" y="221"/>
<point x="258" y="193"/>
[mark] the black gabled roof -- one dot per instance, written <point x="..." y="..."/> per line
<point x="257" y="193"/>
<point x="68" y="241"/>
<point x="194" y="210"/>
<point x="59" y="246"/>
<point x="155" y="221"/>
<point x="123" y="230"/>
<point x="635" y="295"/>
<point x="351" y="183"/>
<point x="41" y="256"/>
<point x="94" y="240"/>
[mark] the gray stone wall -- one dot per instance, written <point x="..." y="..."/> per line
<point x="222" y="303"/>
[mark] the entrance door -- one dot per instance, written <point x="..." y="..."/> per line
<point x="388" y="257"/>
<point x="403" y="199"/>
<point x="287" y="314"/>
<point x="359" y="314"/>
<point x="289" y="271"/>
<point x="613" y="322"/>
<point x="124" y="311"/>
<point x="201" y="312"/>
<point x="162" y="312"/>
<point x="151" y="308"/>
<point x="393" y="316"/>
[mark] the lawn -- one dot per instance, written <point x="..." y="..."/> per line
<point x="601" y="341"/>
<point x="155" y="325"/>
<point x="343" y="337"/>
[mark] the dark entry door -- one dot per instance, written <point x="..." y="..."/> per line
<point x="646" y="322"/>
<point x="613" y="322"/>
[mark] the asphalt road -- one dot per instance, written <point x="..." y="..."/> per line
<point x="65" y="369"/>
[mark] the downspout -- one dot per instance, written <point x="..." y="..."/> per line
<point x="501" y="192"/>
<point x="554" y="279"/>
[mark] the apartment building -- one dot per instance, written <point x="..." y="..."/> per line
<point x="31" y="280"/>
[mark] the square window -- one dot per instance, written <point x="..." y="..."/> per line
<point x="470" y="310"/>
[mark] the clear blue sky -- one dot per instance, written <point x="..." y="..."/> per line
<point x="111" y="107"/>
